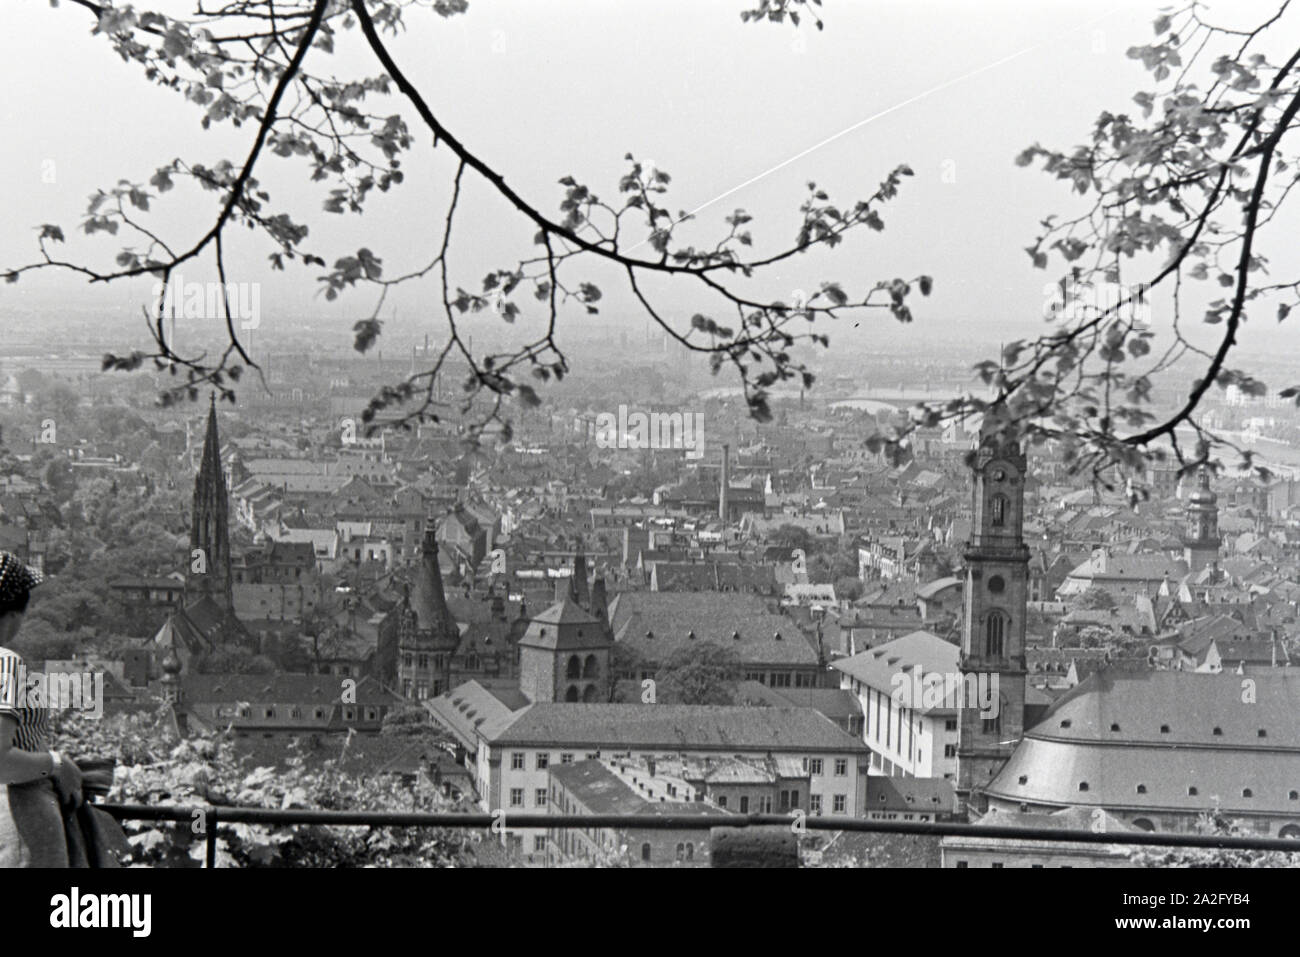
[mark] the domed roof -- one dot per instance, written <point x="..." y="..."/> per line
<point x="171" y="663"/>
<point x="1203" y="495"/>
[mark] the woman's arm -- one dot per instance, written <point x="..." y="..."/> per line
<point x="19" y="767"/>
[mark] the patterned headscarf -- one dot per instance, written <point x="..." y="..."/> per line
<point x="16" y="577"/>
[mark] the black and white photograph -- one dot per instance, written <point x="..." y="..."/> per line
<point x="575" y="435"/>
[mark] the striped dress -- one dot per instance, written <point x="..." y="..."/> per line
<point x="31" y="823"/>
<point x="33" y="732"/>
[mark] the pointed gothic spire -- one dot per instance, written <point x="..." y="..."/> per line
<point x="210" y="521"/>
<point x="429" y="601"/>
<point x="578" y="592"/>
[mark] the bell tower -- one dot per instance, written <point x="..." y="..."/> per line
<point x="991" y="713"/>
<point x="1201" y="541"/>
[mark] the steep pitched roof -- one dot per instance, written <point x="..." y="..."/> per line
<point x="671" y="618"/>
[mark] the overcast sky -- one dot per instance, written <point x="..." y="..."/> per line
<point x="543" y="90"/>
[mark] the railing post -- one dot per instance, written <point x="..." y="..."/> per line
<point x="210" y="852"/>
<point x="761" y="846"/>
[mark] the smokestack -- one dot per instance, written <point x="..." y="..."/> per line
<point x="725" y="483"/>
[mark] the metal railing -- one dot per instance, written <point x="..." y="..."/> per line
<point x="215" y="815"/>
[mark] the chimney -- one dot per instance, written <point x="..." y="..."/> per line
<point x="724" y="485"/>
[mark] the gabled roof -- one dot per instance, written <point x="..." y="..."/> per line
<point x="671" y="727"/>
<point x="884" y="666"/>
<point x="672" y="617"/>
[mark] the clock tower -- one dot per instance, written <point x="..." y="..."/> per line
<point x="992" y="661"/>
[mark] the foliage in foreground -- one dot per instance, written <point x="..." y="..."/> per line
<point x="154" y="767"/>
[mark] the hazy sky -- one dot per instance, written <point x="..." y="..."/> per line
<point x="543" y="90"/>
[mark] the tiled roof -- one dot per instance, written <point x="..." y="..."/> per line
<point x="471" y="710"/>
<point x="671" y="617"/>
<point x="676" y="727"/>
<point x="281" y="689"/>
<point x="598" y="789"/>
<point x="916" y="795"/>
<point x="880" y="667"/>
<point x="1109" y="734"/>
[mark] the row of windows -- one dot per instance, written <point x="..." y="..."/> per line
<point x="816" y="766"/>
<point x="779" y="679"/>
<point x="577" y="668"/>
<point x="542" y="761"/>
<point x="422" y="661"/>
<point x="517" y="797"/>
<point x="1191" y="791"/>
<point x="245" y="711"/>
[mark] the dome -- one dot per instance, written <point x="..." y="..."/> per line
<point x="171" y="663"/>
<point x="1203" y="495"/>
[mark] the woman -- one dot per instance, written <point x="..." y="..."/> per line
<point x="34" y="782"/>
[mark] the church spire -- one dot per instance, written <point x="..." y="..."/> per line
<point x="209" y="564"/>
<point x="578" y="592"/>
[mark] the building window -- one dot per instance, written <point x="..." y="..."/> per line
<point x="994" y="633"/>
<point x="722" y="800"/>
<point x="998" y="510"/>
<point x="841" y="767"/>
<point x="566" y="759"/>
<point x="838" y="806"/>
<point x="516" y="797"/>
<point x="539" y="844"/>
<point x="645" y="851"/>
<point x="814" y="765"/>
<point x="744" y="804"/>
<point x="543" y="761"/>
<point x="815" y="802"/>
<point x="517" y="761"/>
<point x="950" y="750"/>
<point x="950" y="724"/>
<point x="963" y="864"/>
<point x="540" y="797"/>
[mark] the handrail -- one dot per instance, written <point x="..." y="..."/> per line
<point x="213" y="815"/>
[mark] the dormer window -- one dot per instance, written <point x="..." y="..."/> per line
<point x="1247" y="793"/>
<point x="1141" y="789"/>
<point x="1083" y="785"/>
<point x="1218" y="732"/>
<point x="1192" y="792"/>
<point x="1164" y="729"/>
